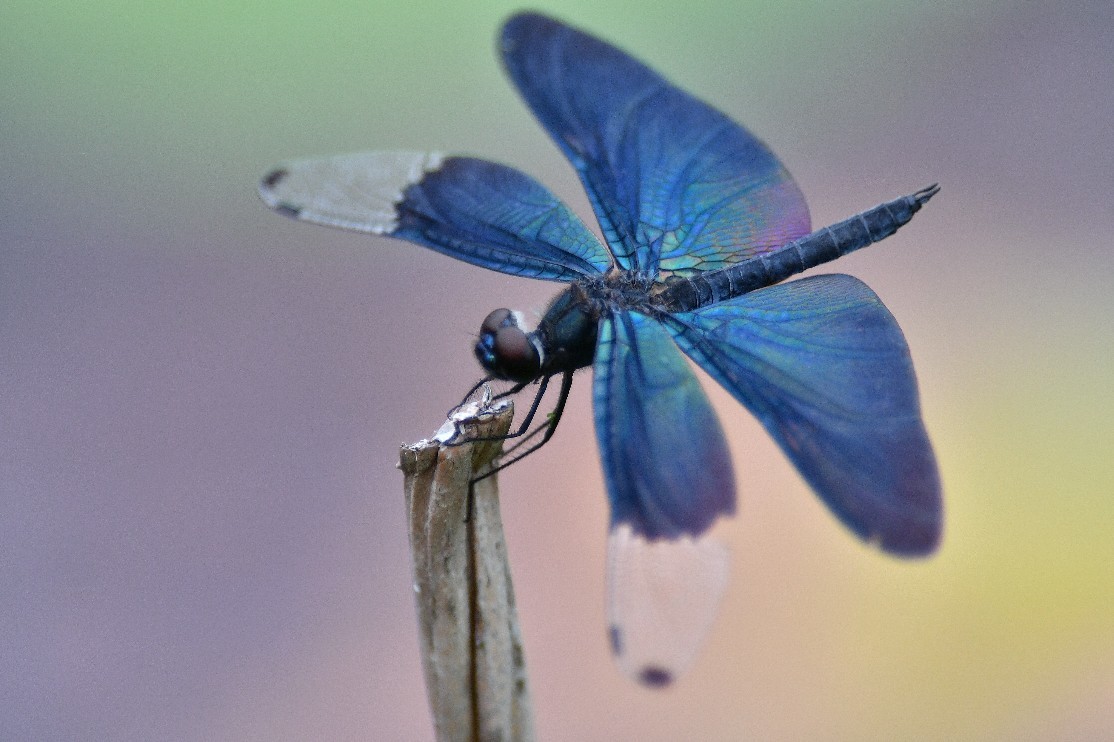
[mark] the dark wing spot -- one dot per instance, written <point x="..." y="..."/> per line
<point x="272" y="178"/>
<point x="287" y="210"/>
<point x="615" y="634"/>
<point x="655" y="677"/>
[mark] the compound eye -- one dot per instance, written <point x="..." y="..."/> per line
<point x="505" y="349"/>
<point x="516" y="358"/>
<point x="497" y="319"/>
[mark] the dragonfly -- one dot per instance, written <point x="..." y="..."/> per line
<point x="701" y="227"/>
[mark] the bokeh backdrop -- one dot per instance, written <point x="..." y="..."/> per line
<point x="201" y="524"/>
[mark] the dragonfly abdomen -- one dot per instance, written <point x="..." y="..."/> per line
<point x="823" y="245"/>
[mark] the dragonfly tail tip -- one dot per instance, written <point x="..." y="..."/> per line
<point x="921" y="197"/>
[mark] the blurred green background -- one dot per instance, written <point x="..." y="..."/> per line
<point x="201" y="527"/>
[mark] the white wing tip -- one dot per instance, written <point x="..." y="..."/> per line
<point x="359" y="191"/>
<point x="663" y="595"/>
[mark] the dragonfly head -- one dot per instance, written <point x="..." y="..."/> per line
<point x="506" y="349"/>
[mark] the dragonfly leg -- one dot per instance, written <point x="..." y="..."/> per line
<point x="487" y="380"/>
<point x="549" y="426"/>
<point x="526" y="421"/>
<point x="468" y="394"/>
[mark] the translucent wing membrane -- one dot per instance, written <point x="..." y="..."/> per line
<point x="822" y="363"/>
<point x="676" y="185"/>
<point x="481" y="212"/>
<point x="662" y="597"/>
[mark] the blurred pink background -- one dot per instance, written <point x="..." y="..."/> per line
<point x="201" y="526"/>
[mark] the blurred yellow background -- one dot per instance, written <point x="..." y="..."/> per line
<point x="201" y="527"/>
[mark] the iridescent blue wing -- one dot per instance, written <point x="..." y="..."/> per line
<point x="480" y="212"/>
<point x="822" y="363"/>
<point x="676" y="185"/>
<point x="669" y="480"/>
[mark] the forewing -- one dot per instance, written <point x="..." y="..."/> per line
<point x="477" y="211"/>
<point x="676" y="185"/>
<point x="823" y="364"/>
<point x="669" y="480"/>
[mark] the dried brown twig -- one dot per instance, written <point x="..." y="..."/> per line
<point x="470" y="643"/>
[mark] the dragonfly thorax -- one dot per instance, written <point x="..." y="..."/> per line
<point x="617" y="290"/>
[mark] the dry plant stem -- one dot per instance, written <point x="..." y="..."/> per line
<point x="470" y="642"/>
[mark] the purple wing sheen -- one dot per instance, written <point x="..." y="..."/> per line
<point x="676" y="185"/>
<point x="477" y="211"/>
<point x="822" y="363"/>
<point x="669" y="480"/>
